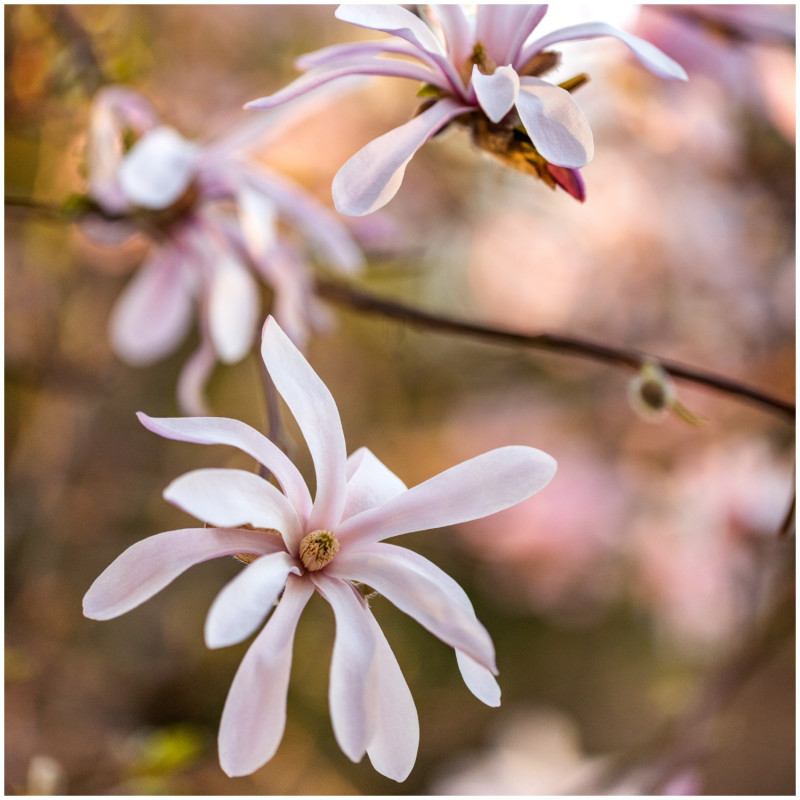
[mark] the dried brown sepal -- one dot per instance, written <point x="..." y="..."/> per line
<point x="540" y="63"/>
<point x="249" y="558"/>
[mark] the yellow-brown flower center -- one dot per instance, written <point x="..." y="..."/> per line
<point x="318" y="549"/>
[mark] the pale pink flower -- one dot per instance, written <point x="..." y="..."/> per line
<point x="482" y="70"/>
<point x="331" y="545"/>
<point x="212" y="213"/>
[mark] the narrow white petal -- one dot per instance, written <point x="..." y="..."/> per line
<point x="370" y="483"/>
<point x="350" y="691"/>
<point x="391" y="19"/>
<point x="146" y="567"/>
<point x="315" y="411"/>
<point x="234" y="308"/>
<point x="473" y="489"/>
<point x="193" y="378"/>
<point x="555" y="123"/>
<point x="258" y="218"/>
<point x="220" y="430"/>
<point x="231" y="497"/>
<point x="395" y="739"/>
<point x="479" y="680"/>
<point x="158" y="169"/>
<point x="496" y="93"/>
<point x="254" y="716"/>
<point x="371" y="178"/>
<point x="501" y="28"/>
<point x="458" y="32"/>
<point x="648" y="54"/>
<point x="244" y="602"/>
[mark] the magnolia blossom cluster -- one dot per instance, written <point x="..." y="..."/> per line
<point x="215" y="218"/>
<point x="333" y="545"/>
<point x="483" y="70"/>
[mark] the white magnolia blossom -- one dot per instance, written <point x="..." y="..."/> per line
<point x="333" y="545"/>
<point x="213" y="215"/>
<point x="481" y="69"/>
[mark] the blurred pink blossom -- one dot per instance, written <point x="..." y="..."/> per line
<point x="480" y="69"/>
<point x="331" y="545"/>
<point x="213" y="215"/>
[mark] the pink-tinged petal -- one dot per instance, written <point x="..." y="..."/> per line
<point x="370" y="483"/>
<point x="555" y="123"/>
<point x="315" y="411"/>
<point x="154" y="312"/>
<point x="193" y="379"/>
<point x="219" y="430"/>
<point x="473" y="489"/>
<point x="158" y="169"/>
<point x="258" y="218"/>
<point x="243" y="604"/>
<point x="457" y="30"/>
<point x="350" y="688"/>
<point x="501" y="29"/>
<point x="327" y="233"/>
<point x="570" y="180"/>
<point x="146" y="567"/>
<point x="649" y="55"/>
<point x="496" y="93"/>
<point x="479" y="680"/>
<point x="395" y="739"/>
<point x="354" y="50"/>
<point x="418" y="591"/>
<point x="391" y="19"/>
<point x="233" y="309"/>
<point x="371" y="178"/>
<point x="231" y="497"/>
<point x="254" y="716"/>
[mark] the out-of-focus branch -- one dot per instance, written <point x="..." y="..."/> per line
<point x="72" y="32"/>
<point x="351" y="297"/>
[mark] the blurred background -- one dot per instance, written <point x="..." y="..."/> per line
<point x="613" y="596"/>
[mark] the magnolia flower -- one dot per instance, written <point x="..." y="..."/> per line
<point x="212" y="214"/>
<point x="332" y="545"/>
<point x="479" y="70"/>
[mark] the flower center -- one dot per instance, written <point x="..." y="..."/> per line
<point x="318" y="549"/>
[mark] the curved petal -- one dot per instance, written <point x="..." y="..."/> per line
<point x="395" y="739"/>
<point x="231" y="497"/>
<point x="502" y="28"/>
<point x="244" y="602"/>
<point x="326" y="56"/>
<point x="370" y="483"/>
<point x="475" y="488"/>
<point x="418" y="591"/>
<point x="233" y="309"/>
<point x="254" y="716"/>
<point x="350" y="689"/>
<point x="315" y="411"/>
<point x="555" y="123"/>
<point x="220" y="430"/>
<point x="479" y="680"/>
<point x="458" y="32"/>
<point x="371" y="178"/>
<point x="258" y="219"/>
<point x="391" y="19"/>
<point x="496" y="93"/>
<point x="648" y="54"/>
<point x="146" y="567"/>
<point x="193" y="378"/>
<point x="158" y="169"/>
<point x="154" y="312"/>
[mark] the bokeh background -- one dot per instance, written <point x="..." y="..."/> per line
<point x="611" y="596"/>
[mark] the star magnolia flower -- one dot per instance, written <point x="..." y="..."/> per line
<point x="332" y="545"/>
<point x="206" y="256"/>
<point x="480" y="70"/>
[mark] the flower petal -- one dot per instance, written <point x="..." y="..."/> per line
<point x="233" y="308"/>
<point x="244" y="602"/>
<point x="327" y="56"/>
<point x="254" y="716"/>
<point x="458" y="32"/>
<point x="502" y="28"/>
<point x="219" y="430"/>
<point x="479" y="680"/>
<point x="395" y="739"/>
<point x="555" y="123"/>
<point x="258" y="219"/>
<point x="496" y="93"/>
<point x="350" y="689"/>
<point x="158" y="169"/>
<point x="232" y="497"/>
<point x="370" y="483"/>
<point x="315" y="411"/>
<point x="473" y="489"/>
<point x="414" y="585"/>
<point x="193" y="378"/>
<point x="648" y="54"/>
<point x="146" y="567"/>
<point x="154" y="312"/>
<point x="371" y="178"/>
<point x="391" y="19"/>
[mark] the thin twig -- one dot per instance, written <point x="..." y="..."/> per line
<point x="360" y="300"/>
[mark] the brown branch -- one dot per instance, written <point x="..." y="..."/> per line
<point x="366" y="302"/>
